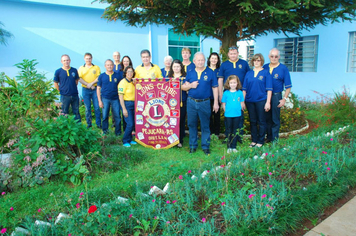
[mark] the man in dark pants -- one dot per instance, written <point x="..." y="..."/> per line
<point x="202" y="82"/>
<point x="281" y="78"/>
<point x="66" y="81"/>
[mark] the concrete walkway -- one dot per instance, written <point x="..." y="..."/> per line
<point x="341" y="223"/>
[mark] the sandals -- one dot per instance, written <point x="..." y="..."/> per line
<point x="180" y="145"/>
<point x="259" y="145"/>
<point x="252" y="144"/>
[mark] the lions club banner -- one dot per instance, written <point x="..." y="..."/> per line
<point x="157" y="112"/>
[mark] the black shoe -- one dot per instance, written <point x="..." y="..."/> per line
<point x="192" y="150"/>
<point x="267" y="141"/>
<point x="206" y="151"/>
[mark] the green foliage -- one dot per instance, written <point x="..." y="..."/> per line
<point x="69" y="170"/>
<point x="231" y="21"/>
<point x="341" y="109"/>
<point x="4" y="35"/>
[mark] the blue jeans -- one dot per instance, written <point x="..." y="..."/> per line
<point x="202" y="111"/>
<point x="183" y="114"/>
<point x="88" y="96"/>
<point x="274" y="117"/>
<point x="130" y="121"/>
<point x="71" y="101"/>
<point x="257" y="116"/>
<point x="106" y="110"/>
<point x="232" y="124"/>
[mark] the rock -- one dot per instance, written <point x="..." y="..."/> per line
<point x="165" y="189"/>
<point x="157" y="191"/>
<point x="42" y="223"/>
<point x="60" y="217"/>
<point x="20" y="231"/>
<point x="122" y="199"/>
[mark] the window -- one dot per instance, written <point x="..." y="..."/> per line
<point x="299" y="54"/>
<point x="176" y="42"/>
<point x="351" y="60"/>
<point x="250" y="52"/>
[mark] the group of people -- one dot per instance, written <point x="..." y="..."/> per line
<point x="231" y="85"/>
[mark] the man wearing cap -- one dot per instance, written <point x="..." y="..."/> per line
<point x="88" y="77"/>
<point x="201" y="82"/>
<point x="233" y="66"/>
<point x="108" y="96"/>
<point x="281" y="79"/>
<point x="66" y="81"/>
<point x="147" y="70"/>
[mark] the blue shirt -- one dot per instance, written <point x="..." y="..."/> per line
<point x="232" y="102"/>
<point x="216" y="73"/>
<point x="256" y="87"/>
<point x="164" y="72"/>
<point x="108" y="84"/>
<point x="239" y="68"/>
<point x="67" y="81"/>
<point x="280" y="77"/>
<point x="189" y="67"/>
<point x="117" y="68"/>
<point x="206" y="79"/>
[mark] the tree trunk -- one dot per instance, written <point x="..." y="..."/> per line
<point x="229" y="39"/>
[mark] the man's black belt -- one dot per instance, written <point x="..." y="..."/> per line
<point x="276" y="93"/>
<point x="200" y="100"/>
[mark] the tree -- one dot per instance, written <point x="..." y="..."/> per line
<point x="4" y="35"/>
<point x="231" y="20"/>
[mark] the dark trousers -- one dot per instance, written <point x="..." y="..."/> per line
<point x="183" y="114"/>
<point x="214" y="120"/>
<point x="257" y="116"/>
<point x="273" y="118"/>
<point x="232" y="124"/>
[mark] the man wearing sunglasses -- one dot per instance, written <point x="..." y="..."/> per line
<point x="281" y="79"/>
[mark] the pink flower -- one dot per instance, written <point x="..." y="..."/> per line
<point x="233" y="179"/>
<point x="130" y="215"/>
<point x="208" y="171"/>
<point x="151" y="186"/>
<point x="39" y="210"/>
<point x="266" y="154"/>
<point x="223" y="158"/>
<point x="80" y="197"/>
<point x="174" y="201"/>
<point x="77" y="205"/>
<point x="264" y="195"/>
<point x="267" y="205"/>
<point x="223" y="203"/>
<point x="3" y="230"/>
<point x="11" y="208"/>
<point x="331" y="139"/>
<point x="155" y="217"/>
<point x="314" y="148"/>
<point x="242" y="174"/>
<point x="270" y="185"/>
<point x="251" y="195"/>
<point x="181" y="177"/>
<point x="69" y="234"/>
<point x="270" y="173"/>
<point x="326" y="163"/>
<point x="168" y="202"/>
<point x="153" y="200"/>
<point x="3" y="193"/>
<point x="189" y="171"/>
<point x="168" y="222"/>
<point x="328" y="168"/>
<point x="222" y="166"/>
<point x="81" y="194"/>
<point x="203" y="220"/>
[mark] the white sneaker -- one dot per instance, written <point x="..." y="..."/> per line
<point x="229" y="150"/>
<point x="234" y="150"/>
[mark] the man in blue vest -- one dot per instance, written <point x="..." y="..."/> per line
<point x="281" y="79"/>
<point x="66" y="81"/>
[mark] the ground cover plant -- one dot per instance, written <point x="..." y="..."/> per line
<point x="78" y="172"/>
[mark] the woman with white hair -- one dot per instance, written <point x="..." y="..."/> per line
<point x="167" y="66"/>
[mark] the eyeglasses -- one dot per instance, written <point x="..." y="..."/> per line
<point x="233" y="48"/>
<point x="257" y="60"/>
<point x="273" y="56"/>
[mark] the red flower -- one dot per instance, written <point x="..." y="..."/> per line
<point x="109" y="216"/>
<point x="92" y="209"/>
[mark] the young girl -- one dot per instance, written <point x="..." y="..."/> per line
<point x="232" y="103"/>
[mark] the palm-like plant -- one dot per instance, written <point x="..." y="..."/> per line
<point x="4" y="34"/>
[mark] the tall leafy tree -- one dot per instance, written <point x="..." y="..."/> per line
<point x="4" y="35"/>
<point x="231" y="20"/>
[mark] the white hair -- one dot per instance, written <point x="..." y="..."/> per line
<point x="274" y="49"/>
<point x="168" y="58"/>
<point x="198" y="53"/>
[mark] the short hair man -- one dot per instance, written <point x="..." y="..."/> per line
<point x="201" y="83"/>
<point x="66" y="81"/>
<point x="188" y="65"/>
<point x="108" y="96"/>
<point x="88" y="77"/>
<point x="233" y="66"/>
<point x="167" y="66"/>
<point x="147" y="70"/>
<point x="281" y="79"/>
<point x="116" y="57"/>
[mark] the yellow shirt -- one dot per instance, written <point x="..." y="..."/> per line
<point x="127" y="88"/>
<point x="89" y="74"/>
<point x="152" y="73"/>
